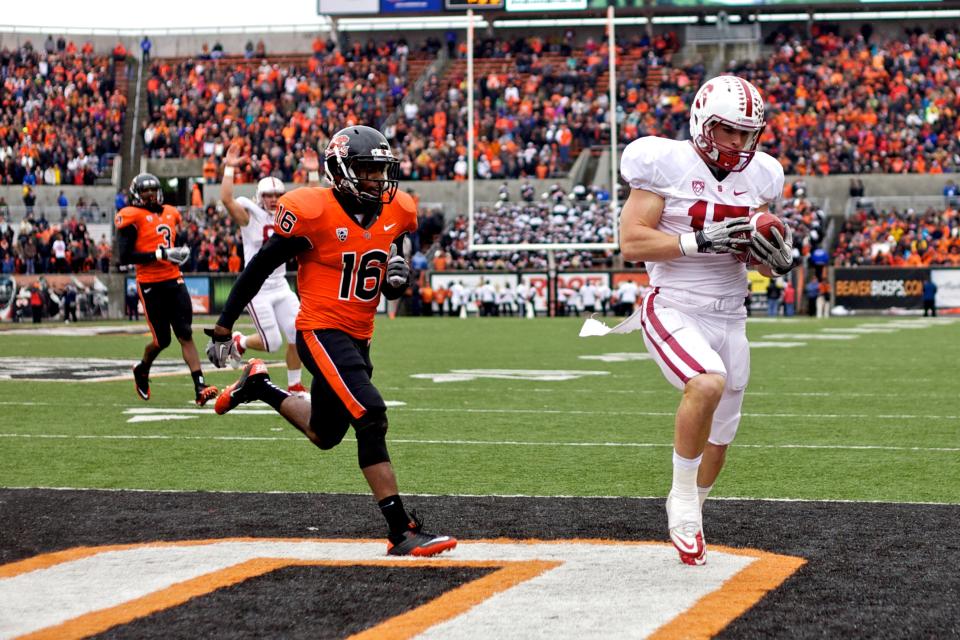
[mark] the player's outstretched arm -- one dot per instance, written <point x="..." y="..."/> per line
<point x="126" y="242"/>
<point x="640" y="240"/>
<point x="232" y="160"/>
<point x="311" y="162"/>
<point x="275" y="252"/>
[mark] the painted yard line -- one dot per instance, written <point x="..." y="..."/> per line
<point x="655" y="414"/>
<point x="487" y="495"/>
<point x="488" y="443"/>
<point x="809" y="336"/>
<point x="659" y="392"/>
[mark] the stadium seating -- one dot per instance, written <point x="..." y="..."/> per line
<point x="905" y="238"/>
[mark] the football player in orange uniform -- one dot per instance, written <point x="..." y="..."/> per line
<point x="345" y="239"/>
<point x="146" y="231"/>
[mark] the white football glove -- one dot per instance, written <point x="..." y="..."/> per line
<point x="398" y="271"/>
<point x="729" y="236"/>
<point x="222" y="350"/>
<point x="778" y="255"/>
<point x="176" y="255"/>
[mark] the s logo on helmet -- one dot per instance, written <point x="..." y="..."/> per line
<point x="698" y="186"/>
<point x="339" y="146"/>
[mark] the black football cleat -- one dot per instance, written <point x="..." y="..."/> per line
<point x="417" y="542"/>
<point x="244" y="389"/>
<point x="141" y="382"/>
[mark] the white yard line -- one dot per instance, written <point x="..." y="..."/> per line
<point x="460" y="442"/>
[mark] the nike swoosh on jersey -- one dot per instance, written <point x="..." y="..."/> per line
<point x="387" y="227"/>
<point x="739" y="193"/>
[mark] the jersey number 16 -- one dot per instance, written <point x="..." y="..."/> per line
<point x="361" y="278"/>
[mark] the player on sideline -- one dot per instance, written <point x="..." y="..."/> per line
<point x="146" y="231"/>
<point x="275" y="307"/>
<point x="345" y="239"/>
<point x="686" y="217"/>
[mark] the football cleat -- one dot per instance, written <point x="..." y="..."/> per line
<point x="236" y="341"/>
<point x="416" y="542"/>
<point x="298" y="390"/>
<point x="141" y="382"/>
<point x="244" y="389"/>
<point x="205" y="394"/>
<point x="686" y="530"/>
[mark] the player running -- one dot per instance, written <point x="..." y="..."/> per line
<point x="275" y="307"/>
<point x="345" y="239"/>
<point x="686" y="218"/>
<point x="146" y="231"/>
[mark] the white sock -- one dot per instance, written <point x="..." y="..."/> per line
<point x="293" y="377"/>
<point x="704" y="492"/>
<point x="685" y="476"/>
<point x="243" y="342"/>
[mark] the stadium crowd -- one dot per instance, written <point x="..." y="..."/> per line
<point x="61" y="115"/>
<point x="279" y="107"/>
<point x="900" y="238"/>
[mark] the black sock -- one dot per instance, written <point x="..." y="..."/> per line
<point x="198" y="383"/>
<point x="271" y="394"/>
<point x="397" y="519"/>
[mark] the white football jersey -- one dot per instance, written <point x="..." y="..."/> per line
<point x="255" y="233"/>
<point x="693" y="199"/>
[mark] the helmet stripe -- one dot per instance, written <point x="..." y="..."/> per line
<point x="748" y="95"/>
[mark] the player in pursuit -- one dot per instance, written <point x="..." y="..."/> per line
<point x="146" y="231"/>
<point x="275" y="307"/>
<point x="345" y="239"/>
<point x="687" y="219"/>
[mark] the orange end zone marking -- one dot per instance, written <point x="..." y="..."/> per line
<point x="704" y="619"/>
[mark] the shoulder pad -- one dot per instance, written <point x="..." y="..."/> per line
<point x="127" y="216"/>
<point x="307" y="203"/>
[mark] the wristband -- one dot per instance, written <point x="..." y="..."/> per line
<point x="159" y="253"/>
<point x="313" y="176"/>
<point x="228" y="172"/>
<point x="688" y="243"/>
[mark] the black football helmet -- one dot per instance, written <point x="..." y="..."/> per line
<point x="145" y="192"/>
<point x="358" y="162"/>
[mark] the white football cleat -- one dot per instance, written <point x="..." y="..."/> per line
<point x="686" y="530"/>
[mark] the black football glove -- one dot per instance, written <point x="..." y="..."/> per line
<point x="176" y="255"/>
<point x="222" y="350"/>
<point x="398" y="271"/>
<point x="778" y="254"/>
<point x="729" y="236"/>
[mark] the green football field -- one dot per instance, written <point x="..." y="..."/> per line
<point x="857" y="408"/>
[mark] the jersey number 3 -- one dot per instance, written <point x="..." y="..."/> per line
<point x="361" y="279"/>
<point x="719" y="212"/>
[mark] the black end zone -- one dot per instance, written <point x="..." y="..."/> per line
<point x="873" y="570"/>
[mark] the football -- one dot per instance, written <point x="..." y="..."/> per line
<point x="763" y="222"/>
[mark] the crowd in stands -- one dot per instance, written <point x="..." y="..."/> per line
<point x="35" y="245"/>
<point x="279" y="108"/>
<point x="900" y="238"/>
<point x="61" y="116"/>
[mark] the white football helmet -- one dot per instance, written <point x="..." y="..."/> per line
<point x="733" y="101"/>
<point x="267" y="186"/>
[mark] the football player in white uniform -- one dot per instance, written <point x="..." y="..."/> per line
<point x="687" y="219"/>
<point x="274" y="309"/>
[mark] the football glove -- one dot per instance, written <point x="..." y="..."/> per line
<point x="222" y="349"/>
<point x="398" y="271"/>
<point x="176" y="255"/>
<point x="778" y="254"/>
<point x="729" y="236"/>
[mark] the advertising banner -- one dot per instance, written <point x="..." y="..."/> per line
<point x="879" y="287"/>
<point x="948" y="287"/>
<point x="347" y="7"/>
<point x="199" y="289"/>
<point x="569" y="280"/>
<point x="410" y="6"/>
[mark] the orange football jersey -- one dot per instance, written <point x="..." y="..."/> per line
<point x="153" y="230"/>
<point x="339" y="277"/>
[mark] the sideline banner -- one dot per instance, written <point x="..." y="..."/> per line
<point x="948" y="287"/>
<point x="879" y="287"/>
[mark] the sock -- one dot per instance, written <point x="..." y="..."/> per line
<point x="272" y="394"/>
<point x="198" y="382"/>
<point x="703" y="492"/>
<point x="293" y="377"/>
<point x="397" y="519"/>
<point x="685" y="476"/>
<point x="243" y="342"/>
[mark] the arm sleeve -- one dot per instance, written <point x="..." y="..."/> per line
<point x="126" y="241"/>
<point x="275" y="252"/>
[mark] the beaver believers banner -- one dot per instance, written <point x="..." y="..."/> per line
<point x="879" y="287"/>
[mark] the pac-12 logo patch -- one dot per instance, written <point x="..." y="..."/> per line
<point x="698" y="186"/>
<point x="342" y="234"/>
